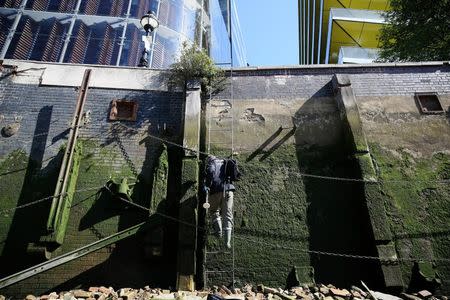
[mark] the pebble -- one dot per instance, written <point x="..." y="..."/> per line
<point x="424" y="294"/>
<point x="246" y="292"/>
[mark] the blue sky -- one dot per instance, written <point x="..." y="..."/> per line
<point x="270" y="31"/>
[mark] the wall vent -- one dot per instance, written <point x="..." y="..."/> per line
<point x="429" y="103"/>
<point x="123" y="110"/>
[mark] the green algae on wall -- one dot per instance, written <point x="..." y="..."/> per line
<point x="12" y="172"/>
<point x="61" y="223"/>
<point x="417" y="199"/>
<point x="160" y="180"/>
<point x="95" y="212"/>
<point x="24" y="203"/>
<point x="280" y="216"/>
<point x="270" y="223"/>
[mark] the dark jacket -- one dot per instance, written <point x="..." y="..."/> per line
<point x="216" y="179"/>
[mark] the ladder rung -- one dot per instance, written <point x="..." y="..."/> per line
<point x="220" y="143"/>
<point x="226" y="105"/>
<point x="221" y="117"/>
<point x="220" y="130"/>
<point x="219" y="271"/>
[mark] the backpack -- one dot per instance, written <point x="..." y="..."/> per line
<point x="219" y="171"/>
<point x="231" y="169"/>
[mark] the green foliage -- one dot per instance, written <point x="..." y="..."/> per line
<point x="417" y="30"/>
<point x="194" y="63"/>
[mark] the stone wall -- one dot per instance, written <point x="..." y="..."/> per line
<point x="286" y="122"/>
<point x="292" y="208"/>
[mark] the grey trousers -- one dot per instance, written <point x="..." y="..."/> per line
<point x="221" y="211"/>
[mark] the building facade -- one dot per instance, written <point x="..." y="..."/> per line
<point x="333" y="31"/>
<point x="108" y="32"/>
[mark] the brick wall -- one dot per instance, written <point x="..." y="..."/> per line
<point x="109" y="151"/>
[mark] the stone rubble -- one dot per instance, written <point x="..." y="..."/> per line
<point x="247" y="292"/>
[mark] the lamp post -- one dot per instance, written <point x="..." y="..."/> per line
<point x="149" y="22"/>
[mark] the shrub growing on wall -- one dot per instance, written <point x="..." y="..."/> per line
<point x="194" y="63"/>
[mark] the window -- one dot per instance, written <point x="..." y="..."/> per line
<point x="429" y="103"/>
<point x="123" y="110"/>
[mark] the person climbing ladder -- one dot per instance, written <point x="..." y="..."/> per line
<point x="219" y="177"/>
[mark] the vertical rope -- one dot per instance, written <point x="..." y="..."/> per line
<point x="230" y="12"/>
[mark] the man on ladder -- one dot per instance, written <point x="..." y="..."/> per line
<point x="219" y="188"/>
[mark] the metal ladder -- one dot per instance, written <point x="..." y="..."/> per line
<point x="219" y="261"/>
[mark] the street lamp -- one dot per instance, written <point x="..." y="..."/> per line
<point x="149" y="22"/>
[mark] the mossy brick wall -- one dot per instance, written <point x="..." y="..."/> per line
<point x="45" y="114"/>
<point x="279" y="214"/>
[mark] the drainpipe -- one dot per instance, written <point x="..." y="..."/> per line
<point x="124" y="31"/>
<point x="13" y="29"/>
<point x="69" y="32"/>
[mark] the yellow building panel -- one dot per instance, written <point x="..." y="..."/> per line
<point x="363" y="34"/>
<point x="356" y="4"/>
<point x="350" y="33"/>
<point x="379" y="5"/>
<point x="357" y="34"/>
<point x="370" y="35"/>
<point x="353" y="29"/>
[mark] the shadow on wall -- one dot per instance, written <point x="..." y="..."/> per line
<point x="26" y="227"/>
<point x="132" y="262"/>
<point x="337" y="216"/>
<point x="127" y="264"/>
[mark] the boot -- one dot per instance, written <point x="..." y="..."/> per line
<point x="227" y="238"/>
<point x="217" y="227"/>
